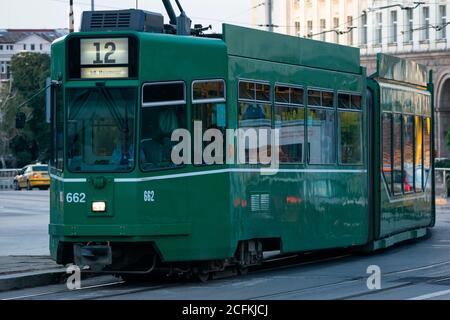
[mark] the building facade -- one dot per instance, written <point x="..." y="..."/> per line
<point x="405" y="28"/>
<point x="13" y="41"/>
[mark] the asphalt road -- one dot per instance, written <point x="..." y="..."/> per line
<point x="24" y="218"/>
<point x="417" y="270"/>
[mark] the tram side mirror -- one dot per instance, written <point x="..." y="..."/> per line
<point x="20" y="120"/>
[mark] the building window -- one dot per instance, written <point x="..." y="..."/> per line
<point x="310" y="28"/>
<point x="321" y="127"/>
<point x="323" y="26"/>
<point x="1" y="47"/>
<point x="426" y="23"/>
<point x="33" y="47"/>
<point x="393" y="29"/>
<point x="442" y="34"/>
<point x="350" y="28"/>
<point x="379" y="28"/>
<point x="24" y="47"/>
<point x="41" y="47"/>
<point x="2" y="67"/>
<point x="409" y="25"/>
<point x="336" y="27"/>
<point x="290" y="119"/>
<point x="297" y="28"/>
<point x="364" y="29"/>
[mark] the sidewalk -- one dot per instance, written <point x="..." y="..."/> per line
<point x="18" y="272"/>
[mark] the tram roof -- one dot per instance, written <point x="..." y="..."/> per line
<point x="269" y="46"/>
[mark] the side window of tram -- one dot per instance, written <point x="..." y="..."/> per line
<point x="427" y="148"/>
<point x="321" y="127"/>
<point x="397" y="174"/>
<point x="350" y="129"/>
<point x="290" y="119"/>
<point x="57" y="159"/>
<point x="255" y="115"/>
<point x="163" y="111"/>
<point x="386" y="142"/>
<point x="209" y="108"/>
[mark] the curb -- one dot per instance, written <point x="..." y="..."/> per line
<point x="31" y="279"/>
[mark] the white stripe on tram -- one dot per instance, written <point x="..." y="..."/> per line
<point x="212" y="172"/>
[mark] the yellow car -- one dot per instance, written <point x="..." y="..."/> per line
<point x="33" y="176"/>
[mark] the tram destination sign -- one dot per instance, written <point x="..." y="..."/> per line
<point x="104" y="58"/>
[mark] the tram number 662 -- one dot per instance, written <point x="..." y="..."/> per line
<point x="76" y="198"/>
<point x="149" y="196"/>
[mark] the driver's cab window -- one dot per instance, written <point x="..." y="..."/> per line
<point x="163" y="112"/>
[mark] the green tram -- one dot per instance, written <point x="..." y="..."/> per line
<point x="356" y="160"/>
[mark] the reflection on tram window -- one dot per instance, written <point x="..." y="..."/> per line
<point x="418" y="182"/>
<point x="291" y="122"/>
<point x="255" y="115"/>
<point x="101" y="130"/>
<point x="408" y="153"/>
<point x="350" y="137"/>
<point x="212" y="115"/>
<point x="397" y="173"/>
<point x="321" y="136"/>
<point x="387" y="145"/>
<point x="161" y="116"/>
<point x="427" y="148"/>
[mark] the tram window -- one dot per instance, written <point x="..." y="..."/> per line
<point x="344" y="101"/>
<point x="356" y="102"/>
<point x="328" y="99"/>
<point x="57" y="160"/>
<point x="253" y="116"/>
<point x="101" y="129"/>
<point x="321" y="136"/>
<point x="320" y="98"/>
<point x="262" y="92"/>
<point x="314" y="98"/>
<point x="209" y="107"/>
<point x="418" y="182"/>
<point x="282" y="94"/>
<point x="291" y="122"/>
<point x="289" y="95"/>
<point x="427" y="147"/>
<point x="159" y="120"/>
<point x="208" y="90"/>
<point x="398" y="176"/>
<point x="350" y="137"/>
<point x="254" y="91"/>
<point x="163" y="93"/>
<point x="408" y="154"/>
<point x="349" y="102"/>
<point x="387" y="148"/>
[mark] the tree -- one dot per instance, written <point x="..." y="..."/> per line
<point x="29" y="72"/>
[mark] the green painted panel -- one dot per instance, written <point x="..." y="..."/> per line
<point x="262" y="45"/>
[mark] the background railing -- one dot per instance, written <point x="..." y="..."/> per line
<point x="7" y="178"/>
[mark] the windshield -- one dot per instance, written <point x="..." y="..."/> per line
<point x="101" y="129"/>
<point x="40" y="168"/>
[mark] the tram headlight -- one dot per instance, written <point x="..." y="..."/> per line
<point x="99" y="206"/>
